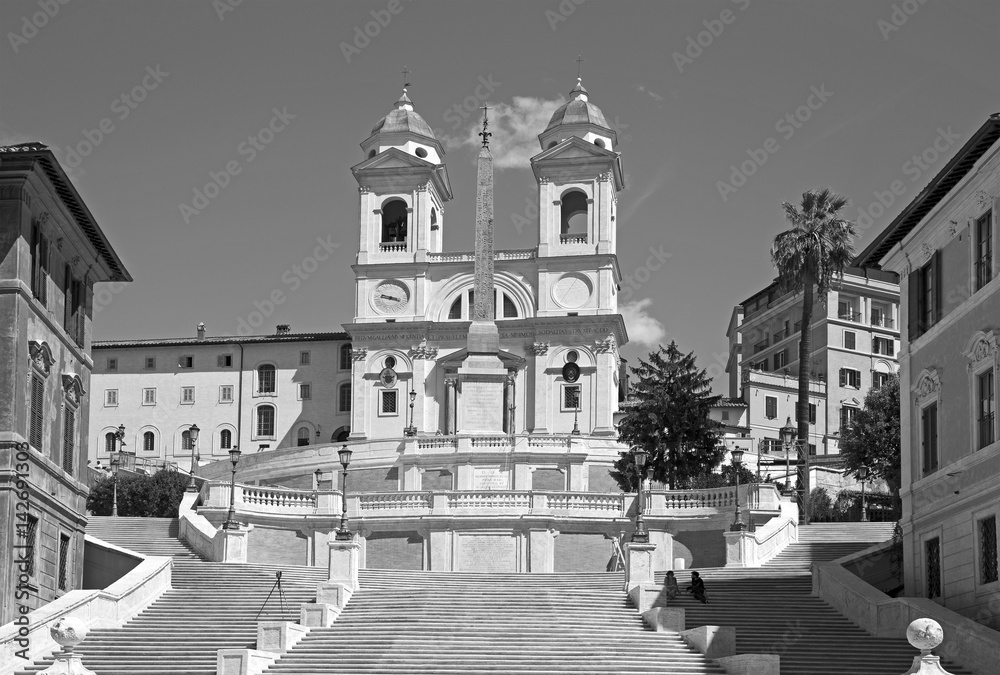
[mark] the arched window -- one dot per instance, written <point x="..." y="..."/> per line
<point x="266" y="379"/>
<point x="226" y="439"/>
<point x="186" y="442"/>
<point x="303" y="436"/>
<point x="573" y="213"/>
<point x="372" y="152"/>
<point x="434" y="218"/>
<point x="344" y="398"/>
<point x="345" y="356"/>
<point x="265" y="420"/>
<point x="341" y="434"/>
<point x="455" y="313"/>
<point x="509" y="308"/>
<point x="394" y="218"/>
<point x="149" y="442"/>
<point x="109" y="442"/>
<point x="504" y="306"/>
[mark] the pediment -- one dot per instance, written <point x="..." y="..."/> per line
<point x="508" y="359"/>
<point x="572" y="148"/>
<point x="393" y="158"/>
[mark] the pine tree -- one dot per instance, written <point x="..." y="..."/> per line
<point x="669" y="418"/>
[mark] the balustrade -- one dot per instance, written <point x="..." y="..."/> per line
<point x="432" y="442"/>
<point x="385" y="501"/>
<point x="480" y="499"/>
<point x="269" y="497"/>
<point x="491" y="442"/>
<point x="563" y="501"/>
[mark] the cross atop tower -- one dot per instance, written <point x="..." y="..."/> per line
<point x="579" y="65"/>
<point x="406" y="71"/>
<point x="484" y="133"/>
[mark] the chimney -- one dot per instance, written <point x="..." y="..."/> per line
<point x="201" y="331"/>
<point x="284" y="329"/>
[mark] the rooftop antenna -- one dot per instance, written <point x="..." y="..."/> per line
<point x="484" y="133"/>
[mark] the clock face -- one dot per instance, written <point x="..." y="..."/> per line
<point x="572" y="291"/>
<point x="391" y="297"/>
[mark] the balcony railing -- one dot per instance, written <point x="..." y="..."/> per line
<point x="882" y="320"/>
<point x="986" y="435"/>
<point x="760" y="346"/>
<point x="984" y="271"/>
<point x="850" y="315"/>
<point x="387" y="246"/>
<point x="780" y="335"/>
<point x="573" y="238"/>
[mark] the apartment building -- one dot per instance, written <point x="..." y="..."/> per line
<point x="943" y="246"/>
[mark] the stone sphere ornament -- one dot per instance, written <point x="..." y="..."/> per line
<point x="925" y="634"/>
<point x="68" y="631"/>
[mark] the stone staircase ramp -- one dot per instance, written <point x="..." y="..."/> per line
<point x="451" y="622"/>
<point x="149" y="536"/>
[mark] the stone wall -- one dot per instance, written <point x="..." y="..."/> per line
<point x="394" y="551"/>
<point x="581" y="552"/>
<point x="277" y="546"/>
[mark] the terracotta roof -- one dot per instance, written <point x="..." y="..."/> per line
<point x="730" y="403"/>
<point x="222" y="339"/>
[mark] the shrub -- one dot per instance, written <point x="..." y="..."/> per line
<point x="156" y="496"/>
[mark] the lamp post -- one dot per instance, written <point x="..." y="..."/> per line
<point x="787" y="434"/>
<point x="193" y="432"/>
<point x="411" y="430"/>
<point x="343" y="534"/>
<point x="863" y="474"/>
<point x="231" y="524"/>
<point x="640" y="535"/>
<point x="738" y="524"/>
<point x="319" y="474"/>
<point x="115" y="462"/>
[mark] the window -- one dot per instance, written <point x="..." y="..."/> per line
<point x="148" y="442"/>
<point x="226" y="439"/>
<point x="771" y="407"/>
<point x="37" y="414"/>
<point x="812" y="448"/>
<point x="69" y="439"/>
<point x="40" y="266"/>
<point x="304" y="358"/>
<point x="847" y="415"/>
<point x="571" y="397"/>
<point x="846" y="311"/>
<point x="303" y="437"/>
<point x="112" y="365"/>
<point x="263" y="446"/>
<point x="226" y="393"/>
<point x="305" y="392"/>
<point x="812" y="413"/>
<point x="149" y="396"/>
<point x="388" y="402"/>
<point x="225" y="361"/>
<point x="109" y="442"/>
<point x="345" y="357"/>
<point x="266" y="379"/>
<point x="265" y="421"/>
<point x="725" y="415"/>
<point x="28" y="534"/>
<point x="781" y="359"/>
<point x="344" y="397"/>
<point x="932" y="554"/>
<point x="150" y="363"/>
<point x="885" y="346"/>
<point x="434" y="219"/>
<point x="573" y="213"/>
<point x="984" y="249"/>
<point x="455" y="312"/>
<point x="394" y="217"/>
<point x="925" y="297"/>
<point x="987" y="408"/>
<point x="850" y="339"/>
<point x="185" y="362"/>
<point x="988" y="550"/>
<point x="879" y="379"/>
<point x="850" y="378"/>
<point x="110" y="397"/>
<point x="187" y="395"/>
<point x="186" y="442"/>
<point x="74" y="306"/>
<point x="63" y="562"/>
<point x="509" y="308"/>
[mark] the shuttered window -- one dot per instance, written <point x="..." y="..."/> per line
<point x="924" y="294"/>
<point x="37" y="415"/>
<point x="40" y="267"/>
<point x="932" y="550"/>
<point x="63" y="562"/>
<point x="69" y="440"/>
<point x="928" y="437"/>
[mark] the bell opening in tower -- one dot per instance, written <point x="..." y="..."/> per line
<point x="394" y="222"/>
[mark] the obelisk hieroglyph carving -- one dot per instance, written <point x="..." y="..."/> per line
<point x="481" y="376"/>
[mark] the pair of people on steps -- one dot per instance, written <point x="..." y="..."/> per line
<point x="697" y="587"/>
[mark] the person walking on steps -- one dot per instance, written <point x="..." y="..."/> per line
<point x="697" y="588"/>
<point x="670" y="586"/>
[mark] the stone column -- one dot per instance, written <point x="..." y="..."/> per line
<point x="449" y="406"/>
<point x="542" y="387"/>
<point x="541" y="551"/>
<point x="604" y="389"/>
<point x="360" y="394"/>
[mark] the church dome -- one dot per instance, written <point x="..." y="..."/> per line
<point x="579" y="110"/>
<point x="403" y="119"/>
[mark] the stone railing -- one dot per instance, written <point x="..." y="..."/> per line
<point x="711" y="498"/>
<point x="389" y="247"/>
<point x="282" y="498"/>
<point x="470" y="256"/>
<point x="577" y="501"/>
<point x="549" y="441"/>
<point x="573" y="238"/>
<point x="491" y="441"/>
<point x="753" y="549"/>
<point x="489" y="500"/>
<point x="432" y="442"/>
<point x="391" y="501"/>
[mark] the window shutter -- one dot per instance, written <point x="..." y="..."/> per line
<point x="68" y="436"/>
<point x="936" y="275"/>
<point x="37" y="417"/>
<point x="43" y="268"/>
<point x="843" y="377"/>
<point x="913" y="294"/>
<point x="68" y="305"/>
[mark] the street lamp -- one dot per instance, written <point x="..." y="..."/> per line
<point x="787" y="434"/>
<point x="738" y="524"/>
<point x="640" y="535"/>
<point x="193" y="432"/>
<point x="411" y="430"/>
<point x="115" y="463"/>
<point x="231" y="524"/>
<point x="863" y="474"/>
<point x="319" y="474"/>
<point x="343" y="534"/>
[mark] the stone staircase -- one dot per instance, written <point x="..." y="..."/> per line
<point x="773" y="610"/>
<point x="451" y="622"/>
<point x="210" y="606"/>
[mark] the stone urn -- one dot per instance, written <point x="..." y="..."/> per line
<point x="925" y="635"/>
<point x="68" y="632"/>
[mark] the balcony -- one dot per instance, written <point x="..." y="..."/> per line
<point x="984" y="270"/>
<point x="882" y="320"/>
<point x="850" y="315"/>
<point x="780" y="335"/>
<point x="390" y="246"/>
<point x="760" y="346"/>
<point x="572" y="238"/>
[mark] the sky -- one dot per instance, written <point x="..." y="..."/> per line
<point x="723" y="109"/>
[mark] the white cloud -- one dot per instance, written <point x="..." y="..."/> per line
<point x="642" y="327"/>
<point x="515" y="128"/>
<point x="652" y="94"/>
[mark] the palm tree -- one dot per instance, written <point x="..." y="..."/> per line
<point x="811" y="255"/>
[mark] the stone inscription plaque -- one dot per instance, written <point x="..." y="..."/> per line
<point x="482" y="406"/>
<point x="487" y="553"/>
<point x="490" y="479"/>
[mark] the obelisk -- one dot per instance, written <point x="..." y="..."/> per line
<point x="481" y="376"/>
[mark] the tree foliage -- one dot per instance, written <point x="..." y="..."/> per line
<point x="812" y="255"/>
<point x="669" y="418"/>
<point x="725" y="479"/>
<point x="872" y="439"/>
<point x="155" y="496"/>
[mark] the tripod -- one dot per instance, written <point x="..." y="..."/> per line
<point x="281" y="595"/>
